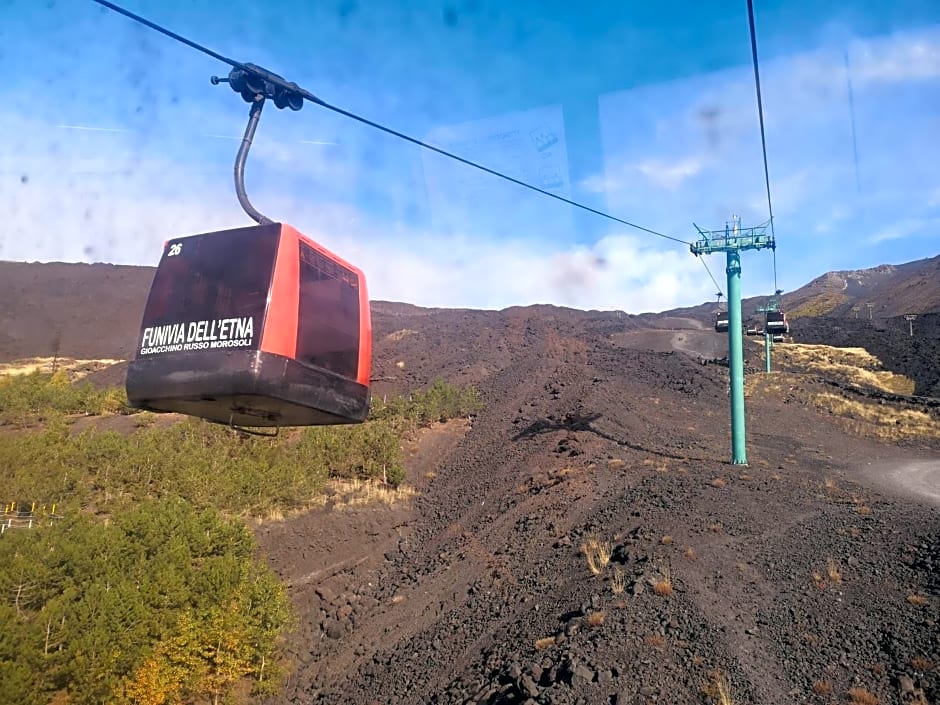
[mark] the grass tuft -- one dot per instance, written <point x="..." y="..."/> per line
<point x="544" y="643"/>
<point x="718" y="689"/>
<point x="861" y="696"/>
<point x="663" y="585"/>
<point x="618" y="582"/>
<point x="597" y="553"/>
<point x="833" y="571"/>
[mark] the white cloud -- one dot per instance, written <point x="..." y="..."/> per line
<point x="670" y="175"/>
<point x="834" y="174"/>
<point x="616" y="273"/>
<point x="86" y="213"/>
<point x="117" y="196"/>
<point x="900" y="58"/>
<point x="904" y="228"/>
<point x="664" y="173"/>
<point x="825" y="224"/>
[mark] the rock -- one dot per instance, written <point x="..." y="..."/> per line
<point x="333" y="629"/>
<point x="528" y="686"/>
<point x="325" y="594"/>
<point x="905" y="685"/>
<point x="581" y="675"/>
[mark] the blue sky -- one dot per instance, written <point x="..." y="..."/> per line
<point x="115" y="140"/>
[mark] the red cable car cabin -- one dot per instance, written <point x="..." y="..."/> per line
<point x="256" y="326"/>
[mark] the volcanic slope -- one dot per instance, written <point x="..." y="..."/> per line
<point x="787" y="580"/>
<point x="892" y="290"/>
<point x="810" y="575"/>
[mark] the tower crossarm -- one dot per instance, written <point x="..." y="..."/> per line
<point x="711" y="241"/>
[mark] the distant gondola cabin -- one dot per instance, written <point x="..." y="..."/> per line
<point x="721" y="322"/>
<point x="256" y="326"/>
<point x="777" y="322"/>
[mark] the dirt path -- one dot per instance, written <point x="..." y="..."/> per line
<point x="919" y="479"/>
<point x="332" y="560"/>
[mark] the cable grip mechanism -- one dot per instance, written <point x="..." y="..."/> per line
<point x="255" y="85"/>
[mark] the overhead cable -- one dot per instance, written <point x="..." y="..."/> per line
<point x="307" y="95"/>
<point x="763" y="139"/>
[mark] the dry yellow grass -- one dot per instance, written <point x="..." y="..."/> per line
<point x="819" y="305"/>
<point x="917" y="600"/>
<point x="399" y="334"/>
<point x="822" y="688"/>
<point x="861" y="696"/>
<point x="852" y="365"/>
<point x="544" y="642"/>
<point x="663" y="585"/>
<point x="718" y="689"/>
<point x="618" y="582"/>
<point x="347" y="494"/>
<point x="596" y="619"/>
<point x="356" y="493"/>
<point x="597" y="553"/>
<point x="882" y="421"/>
<point x="75" y="368"/>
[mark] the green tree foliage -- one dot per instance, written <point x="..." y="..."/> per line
<point x="439" y="402"/>
<point x="162" y="604"/>
<point x="210" y="465"/>
<point x="33" y="397"/>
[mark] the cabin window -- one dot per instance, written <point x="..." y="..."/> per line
<point x="210" y="291"/>
<point x="328" y="316"/>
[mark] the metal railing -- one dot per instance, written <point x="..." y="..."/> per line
<point x="22" y="516"/>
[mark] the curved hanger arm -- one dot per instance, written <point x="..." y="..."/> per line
<point x="253" y="116"/>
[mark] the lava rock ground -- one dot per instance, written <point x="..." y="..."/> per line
<point x="796" y="576"/>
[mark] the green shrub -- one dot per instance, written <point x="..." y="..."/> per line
<point x="439" y="402"/>
<point x="30" y="398"/>
<point x="164" y="602"/>
<point x="95" y="609"/>
<point x="209" y="464"/>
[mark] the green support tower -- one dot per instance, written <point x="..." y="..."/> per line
<point x="770" y="307"/>
<point x="732" y="241"/>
